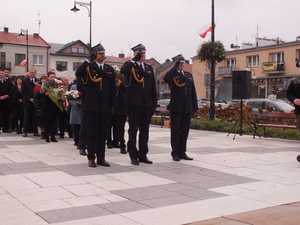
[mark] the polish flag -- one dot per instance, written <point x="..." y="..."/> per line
<point x="23" y="63"/>
<point x="205" y="29"/>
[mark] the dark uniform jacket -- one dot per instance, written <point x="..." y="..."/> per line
<point x="99" y="95"/>
<point x="17" y="106"/>
<point x="183" y="92"/>
<point x="141" y="85"/>
<point x="27" y="91"/>
<point x="293" y="92"/>
<point x="4" y="90"/>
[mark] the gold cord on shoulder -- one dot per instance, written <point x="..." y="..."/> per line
<point x="93" y="79"/>
<point x="123" y="79"/>
<point x="177" y="84"/>
<point x="135" y="77"/>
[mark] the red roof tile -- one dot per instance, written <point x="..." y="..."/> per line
<point x="15" y="38"/>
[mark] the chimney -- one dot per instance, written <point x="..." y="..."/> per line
<point x="36" y="35"/>
<point x="6" y="29"/>
<point x="121" y="55"/>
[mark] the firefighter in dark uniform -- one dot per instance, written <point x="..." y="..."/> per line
<point x="293" y="95"/>
<point x="141" y="101"/>
<point x="99" y="79"/>
<point x="183" y="104"/>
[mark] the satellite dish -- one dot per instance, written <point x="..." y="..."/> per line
<point x="232" y="46"/>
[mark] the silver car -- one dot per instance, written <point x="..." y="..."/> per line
<point x="262" y="103"/>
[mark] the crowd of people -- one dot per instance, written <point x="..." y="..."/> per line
<point x="94" y="108"/>
<point x="25" y="106"/>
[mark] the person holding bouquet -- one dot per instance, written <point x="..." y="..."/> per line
<point x="52" y="105"/>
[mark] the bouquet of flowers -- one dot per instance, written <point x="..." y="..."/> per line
<point x="73" y="96"/>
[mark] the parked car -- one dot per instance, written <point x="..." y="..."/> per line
<point x="262" y="103"/>
<point x="206" y="101"/>
<point x="163" y="103"/>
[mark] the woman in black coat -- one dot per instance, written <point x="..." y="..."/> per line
<point x="17" y="105"/>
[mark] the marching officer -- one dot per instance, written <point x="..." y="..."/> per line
<point x="141" y="101"/>
<point x="183" y="104"/>
<point x="99" y="79"/>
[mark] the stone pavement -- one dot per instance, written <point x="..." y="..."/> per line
<point x="229" y="182"/>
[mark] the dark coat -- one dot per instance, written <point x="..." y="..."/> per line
<point x="27" y="91"/>
<point x="17" y="106"/>
<point x="142" y="94"/>
<point x="293" y="92"/>
<point x="121" y="99"/>
<point x="99" y="96"/>
<point x="183" y="92"/>
<point x="38" y="100"/>
<point x="4" y="90"/>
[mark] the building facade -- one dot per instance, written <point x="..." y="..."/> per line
<point x="14" y="48"/>
<point x="272" y="67"/>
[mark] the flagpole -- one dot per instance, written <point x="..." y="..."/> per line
<point x="212" y="67"/>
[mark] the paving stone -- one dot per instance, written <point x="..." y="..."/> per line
<point x="74" y="213"/>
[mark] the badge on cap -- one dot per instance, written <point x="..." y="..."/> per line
<point x="98" y="49"/>
<point x="179" y="58"/>
<point x="139" y="48"/>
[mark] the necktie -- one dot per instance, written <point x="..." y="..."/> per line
<point x="100" y="68"/>
<point x="32" y="80"/>
<point x="141" y="65"/>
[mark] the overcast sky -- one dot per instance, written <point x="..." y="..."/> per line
<point x="165" y="27"/>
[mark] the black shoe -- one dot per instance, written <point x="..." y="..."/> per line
<point x="135" y="162"/>
<point x="145" y="160"/>
<point x="53" y="140"/>
<point x="176" y="158"/>
<point x="92" y="163"/>
<point x="82" y="152"/>
<point x="6" y="131"/>
<point x="110" y="146"/>
<point x="102" y="162"/>
<point x="298" y="158"/>
<point x="47" y="140"/>
<point x="123" y="150"/>
<point x="186" y="157"/>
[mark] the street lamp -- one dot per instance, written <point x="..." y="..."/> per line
<point x="212" y="66"/>
<point x="88" y="6"/>
<point x="22" y="33"/>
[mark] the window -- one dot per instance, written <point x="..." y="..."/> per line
<point x="19" y="58"/>
<point x="76" y="65"/>
<point x="61" y="66"/>
<point x="38" y="60"/>
<point x="78" y="50"/>
<point x="277" y="57"/>
<point x="2" y="60"/>
<point x="253" y="61"/>
<point x="230" y="63"/>
<point x="298" y="54"/>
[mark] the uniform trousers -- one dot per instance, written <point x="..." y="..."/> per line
<point x="139" y="119"/>
<point x="180" y="127"/>
<point x="29" y="122"/>
<point x="82" y="133"/>
<point x="121" y="121"/>
<point x="96" y="132"/>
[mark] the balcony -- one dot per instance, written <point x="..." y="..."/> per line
<point x="273" y="67"/>
<point x="226" y="71"/>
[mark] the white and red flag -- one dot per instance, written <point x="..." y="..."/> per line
<point x="205" y="29"/>
<point x="23" y="63"/>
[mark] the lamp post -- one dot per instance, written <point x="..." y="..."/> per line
<point x="212" y="67"/>
<point x="88" y="6"/>
<point x="22" y="33"/>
